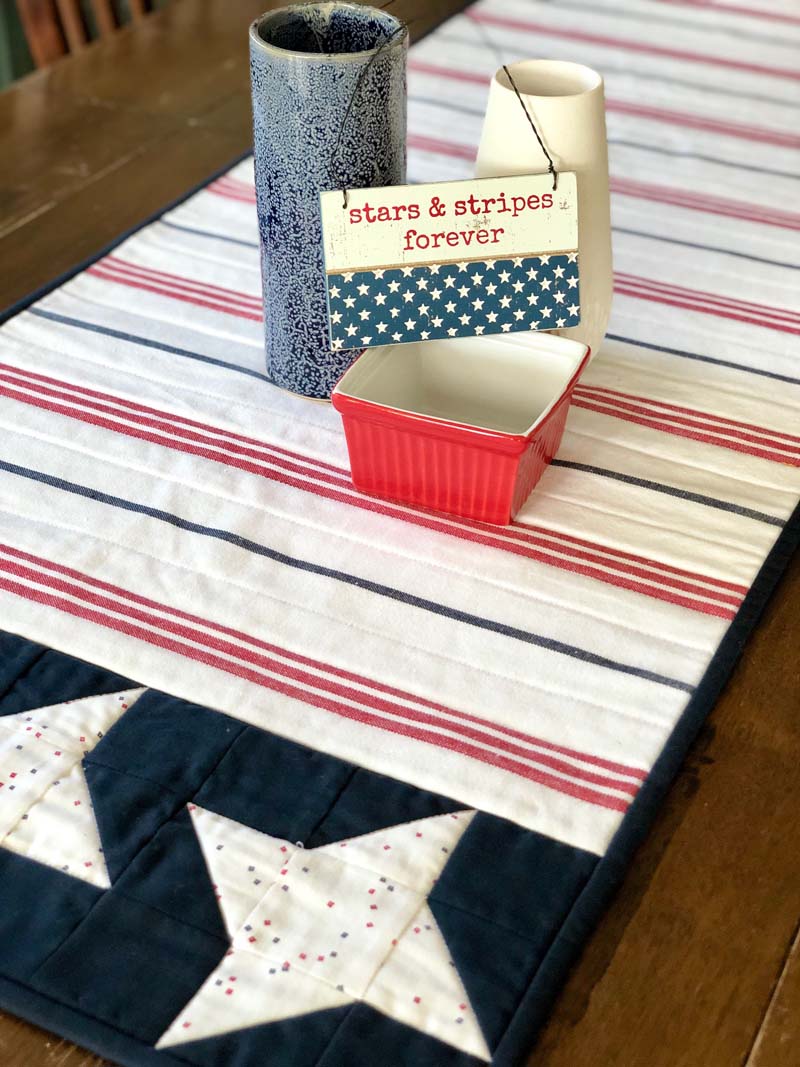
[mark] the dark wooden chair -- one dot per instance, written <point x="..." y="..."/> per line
<point x="55" y="27"/>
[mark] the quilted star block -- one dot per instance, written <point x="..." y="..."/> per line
<point x="328" y="926"/>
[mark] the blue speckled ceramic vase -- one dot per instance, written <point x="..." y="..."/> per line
<point x="305" y="65"/>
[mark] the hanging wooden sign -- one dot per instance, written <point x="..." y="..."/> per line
<point x="451" y="259"/>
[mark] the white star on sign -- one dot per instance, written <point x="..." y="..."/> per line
<point x="336" y="317"/>
<point x="394" y="286"/>
<point x="504" y="275"/>
<point x="558" y="297"/>
<point x="380" y="298"/>
<point x="544" y="260"/>
<point x="434" y="268"/>
<point x="464" y="319"/>
<point x="436" y="321"/>
<point x="422" y="283"/>
<point x="436" y="293"/>
<point x="533" y="274"/>
<point x="450" y="306"/>
<point x="572" y="257"/>
<point x="573" y="309"/>
<point x="320" y="928"/>
<point x="489" y="264"/>
<point x="492" y="316"/>
<point x="491" y="289"/>
<point x="518" y="287"/>
<point x="396" y="336"/>
<point x="350" y="331"/>
<point x="462" y="266"/>
<point x="349" y="301"/>
<point x="533" y="298"/>
<point x="477" y="278"/>
<point x="572" y="282"/>
<point x="449" y="281"/>
<point x="452" y="332"/>
<point x="334" y="290"/>
<point x="559" y="272"/>
<point x="545" y="283"/>
<point x="363" y="289"/>
<point x="378" y="273"/>
<point x="364" y="314"/>
<point x="477" y="304"/>
<point x="409" y="324"/>
<point x="505" y="301"/>
<point x="380" y="327"/>
<point x="463" y="290"/>
<point x="336" y="344"/>
<point x="407" y="271"/>
<point x="348" y="276"/>
<point x="408" y="296"/>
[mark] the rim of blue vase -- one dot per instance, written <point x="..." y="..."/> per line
<point x="395" y="30"/>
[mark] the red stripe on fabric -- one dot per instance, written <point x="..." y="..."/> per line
<point x="736" y="9"/>
<point x="697" y="419"/>
<point x="710" y="416"/>
<point x="723" y="302"/>
<point x="161" y="291"/>
<point x="519" y="548"/>
<point x="523" y="532"/>
<point x="574" y="789"/>
<point x="735" y="587"/>
<point x="312" y="461"/>
<point x="692" y="305"/>
<point x="229" y="188"/>
<point x="684" y="119"/>
<point x="303" y="678"/>
<point x="179" y="281"/>
<point x="623" y="44"/>
<point x="711" y="205"/>
<point x="694" y="435"/>
<point x="598" y="761"/>
<point x="189" y="435"/>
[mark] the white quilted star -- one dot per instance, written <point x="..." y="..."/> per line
<point x="45" y="808"/>
<point x="321" y="928"/>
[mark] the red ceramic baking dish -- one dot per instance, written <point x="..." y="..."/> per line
<point x="466" y="426"/>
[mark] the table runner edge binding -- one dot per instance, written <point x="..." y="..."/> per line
<point x="595" y="897"/>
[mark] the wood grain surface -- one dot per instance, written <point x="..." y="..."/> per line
<point x="697" y="962"/>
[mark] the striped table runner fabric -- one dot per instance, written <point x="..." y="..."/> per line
<point x="169" y="514"/>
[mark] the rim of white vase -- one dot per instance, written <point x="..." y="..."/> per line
<point x="394" y="25"/>
<point x="550" y="79"/>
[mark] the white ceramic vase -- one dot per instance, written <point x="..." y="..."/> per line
<point x="566" y="102"/>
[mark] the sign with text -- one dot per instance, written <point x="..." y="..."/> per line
<point x="451" y="259"/>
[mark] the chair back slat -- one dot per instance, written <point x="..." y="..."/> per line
<point x="42" y="28"/>
<point x="53" y="27"/>
<point x="69" y="12"/>
<point x="104" y="17"/>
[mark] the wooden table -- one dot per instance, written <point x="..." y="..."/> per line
<point x="697" y="962"/>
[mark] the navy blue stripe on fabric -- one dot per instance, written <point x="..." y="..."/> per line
<point x="532" y="1013"/>
<point x="670" y="490"/>
<point x="682" y="354"/>
<point x="705" y="248"/>
<point x="443" y="610"/>
<point x="208" y="233"/>
<point x="146" y="342"/>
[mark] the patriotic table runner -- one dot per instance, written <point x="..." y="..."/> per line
<point x="289" y="775"/>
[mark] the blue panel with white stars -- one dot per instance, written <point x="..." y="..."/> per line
<point x="395" y="305"/>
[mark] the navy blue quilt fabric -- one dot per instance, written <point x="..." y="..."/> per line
<point x="119" y="963"/>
